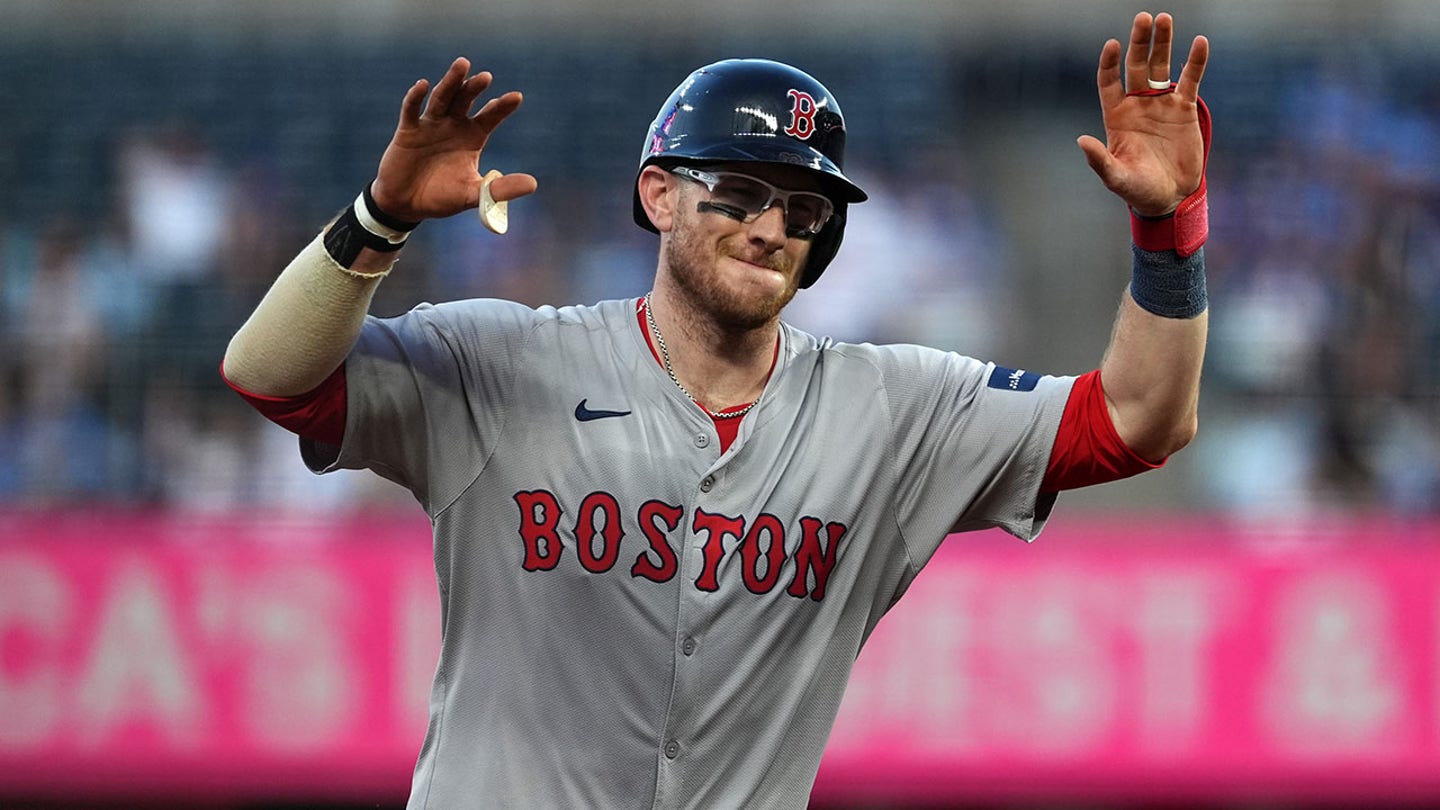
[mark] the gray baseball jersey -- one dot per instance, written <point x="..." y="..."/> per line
<point x="630" y="617"/>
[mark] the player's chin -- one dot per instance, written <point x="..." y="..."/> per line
<point x="750" y="305"/>
<point x="766" y="307"/>
<point x="766" y="290"/>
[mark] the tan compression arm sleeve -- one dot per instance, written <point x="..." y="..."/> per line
<point x="305" y="325"/>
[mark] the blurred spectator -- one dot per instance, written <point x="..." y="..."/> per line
<point x="176" y="200"/>
<point x="12" y="477"/>
<point x="58" y="350"/>
<point x="10" y="437"/>
<point x="1323" y="341"/>
<point x="1379" y="394"/>
<point x="176" y="204"/>
<point x="195" y="456"/>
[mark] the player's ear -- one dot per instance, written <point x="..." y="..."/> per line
<point x="655" y="186"/>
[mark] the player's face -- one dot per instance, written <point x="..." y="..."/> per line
<point x="742" y="273"/>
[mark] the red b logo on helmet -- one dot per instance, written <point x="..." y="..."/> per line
<point x="802" y="115"/>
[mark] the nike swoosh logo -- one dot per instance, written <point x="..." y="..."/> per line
<point x="584" y="414"/>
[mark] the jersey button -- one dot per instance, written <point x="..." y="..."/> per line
<point x="707" y="484"/>
<point x="672" y="749"/>
<point x="702" y="441"/>
<point x="688" y="647"/>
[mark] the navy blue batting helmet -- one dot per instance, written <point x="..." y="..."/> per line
<point x="756" y="111"/>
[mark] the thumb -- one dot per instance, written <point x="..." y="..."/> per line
<point x="505" y="187"/>
<point x="1099" y="158"/>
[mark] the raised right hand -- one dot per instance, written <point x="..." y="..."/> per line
<point x="431" y="167"/>
<point x="1153" y="155"/>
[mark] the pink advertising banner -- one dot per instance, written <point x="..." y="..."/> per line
<point x="144" y="655"/>
<point x="153" y="656"/>
<point x="1192" y="661"/>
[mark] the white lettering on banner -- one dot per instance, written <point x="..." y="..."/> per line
<point x="90" y="661"/>
<point x="35" y="616"/>
<point x="284" y="631"/>
<point x="1053" y="638"/>
<point x="912" y="682"/>
<point x="1175" y="623"/>
<point x="298" y="692"/>
<point x="931" y="648"/>
<point x="1333" y="686"/>
<point x="138" y="673"/>
<point x="1037" y="665"/>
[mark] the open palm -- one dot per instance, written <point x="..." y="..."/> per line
<point x="431" y="167"/>
<point x="1153" y="155"/>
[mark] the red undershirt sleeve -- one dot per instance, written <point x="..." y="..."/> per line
<point x="317" y="415"/>
<point x="1087" y="448"/>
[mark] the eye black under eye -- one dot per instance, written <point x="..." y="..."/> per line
<point x="731" y="211"/>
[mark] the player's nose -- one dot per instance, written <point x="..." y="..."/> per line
<point x="769" y="227"/>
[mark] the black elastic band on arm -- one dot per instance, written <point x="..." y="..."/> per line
<point x="347" y="237"/>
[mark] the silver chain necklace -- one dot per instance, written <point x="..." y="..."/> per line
<point x="665" y="358"/>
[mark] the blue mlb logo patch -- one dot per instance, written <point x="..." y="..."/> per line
<point x="1013" y="379"/>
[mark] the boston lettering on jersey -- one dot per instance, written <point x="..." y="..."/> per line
<point x="762" y="542"/>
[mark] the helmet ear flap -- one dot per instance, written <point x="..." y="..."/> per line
<point x="824" y="246"/>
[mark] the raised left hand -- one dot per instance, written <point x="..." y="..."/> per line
<point x="1153" y="156"/>
<point x="431" y="167"/>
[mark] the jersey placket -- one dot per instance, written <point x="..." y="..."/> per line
<point x="700" y="585"/>
<point x="687" y="642"/>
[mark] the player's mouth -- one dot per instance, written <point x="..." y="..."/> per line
<point x="777" y="263"/>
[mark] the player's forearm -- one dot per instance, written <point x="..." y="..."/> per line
<point x="1151" y="374"/>
<point x="306" y="324"/>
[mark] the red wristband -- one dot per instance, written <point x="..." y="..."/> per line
<point x="1185" y="229"/>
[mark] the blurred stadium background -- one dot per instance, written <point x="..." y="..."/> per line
<point x="187" y="618"/>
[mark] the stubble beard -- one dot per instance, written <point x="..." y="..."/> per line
<point x="692" y="265"/>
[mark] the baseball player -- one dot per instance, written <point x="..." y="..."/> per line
<point x="664" y="527"/>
